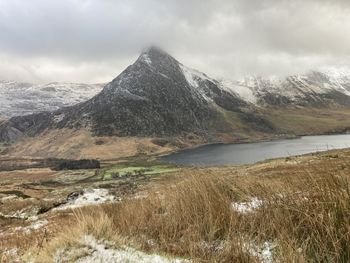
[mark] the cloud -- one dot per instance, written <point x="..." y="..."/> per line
<point x="94" y="40"/>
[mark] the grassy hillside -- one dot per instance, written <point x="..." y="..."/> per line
<point x="80" y="144"/>
<point x="308" y="121"/>
<point x="294" y="209"/>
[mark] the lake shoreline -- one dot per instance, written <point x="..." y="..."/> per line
<point x="311" y="141"/>
<point x="344" y="131"/>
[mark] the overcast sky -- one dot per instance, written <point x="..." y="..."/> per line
<point x="94" y="40"/>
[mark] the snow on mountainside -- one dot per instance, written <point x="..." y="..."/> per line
<point x="244" y="91"/>
<point x="195" y="79"/>
<point x="157" y="96"/>
<point x="322" y="87"/>
<point x="18" y="99"/>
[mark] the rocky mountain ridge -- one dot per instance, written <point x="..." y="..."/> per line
<point x="154" y="97"/>
<point x="315" y="88"/>
<point x="322" y="87"/>
<point x="157" y="96"/>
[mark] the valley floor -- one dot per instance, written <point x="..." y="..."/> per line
<point x="294" y="209"/>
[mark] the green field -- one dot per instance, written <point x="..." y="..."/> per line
<point x="124" y="170"/>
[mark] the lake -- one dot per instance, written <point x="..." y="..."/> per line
<point x="246" y="153"/>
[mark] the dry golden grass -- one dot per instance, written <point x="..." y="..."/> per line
<point x="73" y="144"/>
<point x="310" y="121"/>
<point x="305" y="212"/>
<point x="81" y="144"/>
<point x="94" y="223"/>
<point x="32" y="240"/>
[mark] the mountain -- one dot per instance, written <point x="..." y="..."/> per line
<point x="17" y="99"/>
<point x="315" y="88"/>
<point x="156" y="96"/>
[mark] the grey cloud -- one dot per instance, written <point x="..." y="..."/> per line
<point x="93" y="40"/>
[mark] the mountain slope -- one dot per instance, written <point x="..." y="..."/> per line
<point x="316" y="88"/>
<point x="158" y="97"/>
<point x="17" y="99"/>
<point x="155" y="97"/>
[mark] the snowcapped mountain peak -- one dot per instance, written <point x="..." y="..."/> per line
<point x="159" y="96"/>
<point x="315" y="87"/>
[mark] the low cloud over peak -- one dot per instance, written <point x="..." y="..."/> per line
<point x="94" y="40"/>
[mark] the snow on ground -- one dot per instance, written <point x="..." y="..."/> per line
<point x="244" y="92"/>
<point x="190" y="76"/>
<point x="34" y="226"/>
<point x="294" y="87"/>
<point x="59" y="118"/>
<point x="12" y="252"/>
<point x="193" y="77"/>
<point x="146" y="58"/>
<point x="21" y="214"/>
<point x="8" y="198"/>
<point x="88" y="197"/>
<point x="100" y="252"/>
<point x="263" y="252"/>
<point x="336" y="72"/>
<point x="247" y="207"/>
<point x="38" y="224"/>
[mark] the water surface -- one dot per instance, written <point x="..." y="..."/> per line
<point x="246" y="153"/>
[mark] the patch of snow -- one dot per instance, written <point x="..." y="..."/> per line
<point x="244" y="92"/>
<point x="59" y="118"/>
<point x="8" y="198"/>
<point x="336" y="72"/>
<point x="88" y="197"/>
<point x="101" y="253"/>
<point x="19" y="214"/>
<point x="34" y="226"/>
<point x="33" y="218"/>
<point x="190" y="76"/>
<point x="263" y="252"/>
<point x="247" y="207"/>
<point x="216" y="245"/>
<point x="147" y="59"/>
<point x="38" y="224"/>
<point x="339" y="78"/>
<point x="193" y="78"/>
<point x="12" y="252"/>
